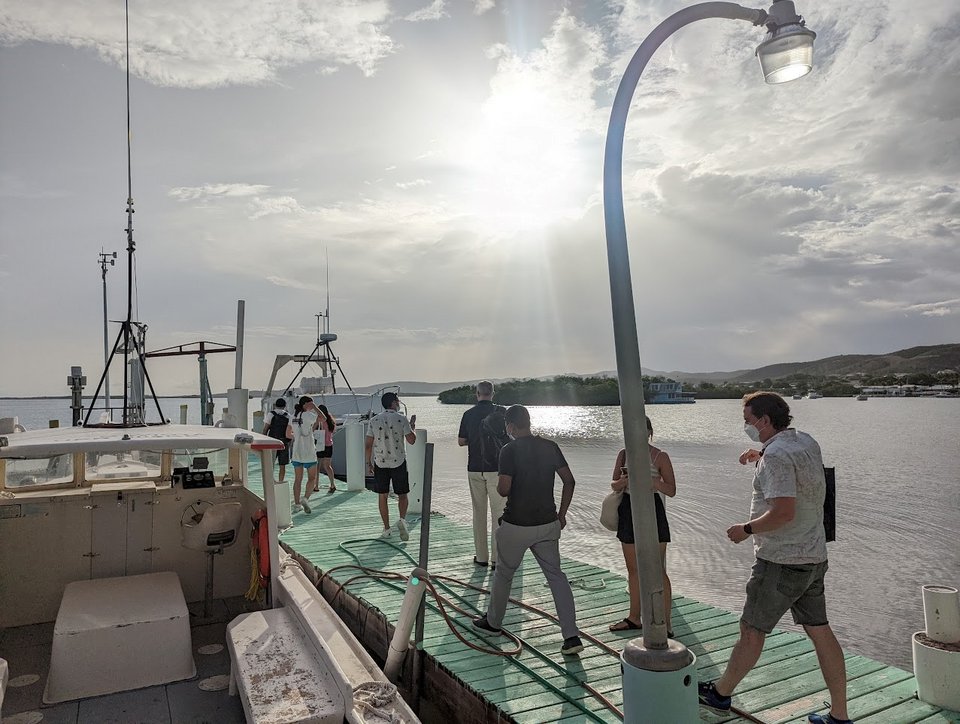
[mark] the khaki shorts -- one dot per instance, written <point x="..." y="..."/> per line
<point x="775" y="588"/>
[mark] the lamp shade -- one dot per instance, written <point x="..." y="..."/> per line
<point x="786" y="54"/>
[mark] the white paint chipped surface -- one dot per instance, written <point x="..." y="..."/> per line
<point x="280" y="677"/>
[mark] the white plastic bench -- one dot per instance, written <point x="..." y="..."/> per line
<point x="276" y="670"/>
<point x="119" y="634"/>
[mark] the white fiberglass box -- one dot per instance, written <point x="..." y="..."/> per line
<point x="118" y="634"/>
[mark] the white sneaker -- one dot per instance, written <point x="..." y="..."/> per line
<point x="385" y="534"/>
<point x="403" y="530"/>
<point x="306" y="506"/>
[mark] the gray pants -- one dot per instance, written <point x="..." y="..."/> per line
<point x="544" y="540"/>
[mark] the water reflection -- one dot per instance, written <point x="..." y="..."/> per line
<point x="880" y="500"/>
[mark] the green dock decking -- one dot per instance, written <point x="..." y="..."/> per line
<point x="541" y="685"/>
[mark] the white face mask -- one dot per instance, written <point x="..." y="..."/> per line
<point x="752" y="432"/>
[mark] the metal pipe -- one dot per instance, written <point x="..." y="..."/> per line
<point x="424" y="559"/>
<point x="238" y="373"/>
<point x="625" y="321"/>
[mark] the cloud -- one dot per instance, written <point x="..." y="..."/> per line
<point x="482" y="6"/>
<point x="196" y="45"/>
<point x="276" y="205"/>
<point x="212" y="191"/>
<point x="291" y="283"/>
<point x="433" y="11"/>
<point x="413" y="184"/>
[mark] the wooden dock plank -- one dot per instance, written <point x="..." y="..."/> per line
<point x="541" y="684"/>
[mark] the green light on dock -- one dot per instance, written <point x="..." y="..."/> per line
<point x="414" y="581"/>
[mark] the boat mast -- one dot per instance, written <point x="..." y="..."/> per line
<point x="126" y="335"/>
<point x="105" y="261"/>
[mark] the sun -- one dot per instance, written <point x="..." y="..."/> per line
<point x="526" y="164"/>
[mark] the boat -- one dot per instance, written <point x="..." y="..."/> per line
<point x="814" y="395"/>
<point x="669" y="393"/>
<point x="342" y="405"/>
<point x="797" y="396"/>
<point x="135" y="552"/>
<point x="861" y="397"/>
<point x="134" y="541"/>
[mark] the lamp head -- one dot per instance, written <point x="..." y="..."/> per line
<point x="787" y="52"/>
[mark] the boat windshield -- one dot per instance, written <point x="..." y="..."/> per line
<point x="216" y="459"/>
<point x="133" y="465"/>
<point x="38" y="471"/>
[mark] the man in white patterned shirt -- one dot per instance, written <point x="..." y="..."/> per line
<point x="786" y="520"/>
<point x="387" y="459"/>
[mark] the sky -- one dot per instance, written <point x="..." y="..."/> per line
<point x="441" y="162"/>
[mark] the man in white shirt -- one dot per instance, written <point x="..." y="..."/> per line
<point x="786" y="520"/>
<point x="387" y="459"/>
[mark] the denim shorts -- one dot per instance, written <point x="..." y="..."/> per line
<point x="775" y="588"/>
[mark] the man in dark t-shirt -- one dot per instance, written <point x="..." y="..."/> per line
<point x="529" y="465"/>
<point x="481" y="476"/>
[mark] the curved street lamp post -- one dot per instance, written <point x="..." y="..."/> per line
<point x="659" y="680"/>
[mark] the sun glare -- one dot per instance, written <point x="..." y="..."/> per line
<point x="525" y="163"/>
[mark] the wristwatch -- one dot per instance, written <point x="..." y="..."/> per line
<point x="748" y="529"/>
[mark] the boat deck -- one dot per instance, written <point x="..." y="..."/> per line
<point x="540" y="684"/>
<point x="27" y="649"/>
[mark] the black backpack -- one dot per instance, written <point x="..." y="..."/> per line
<point x="493" y="436"/>
<point x="278" y="425"/>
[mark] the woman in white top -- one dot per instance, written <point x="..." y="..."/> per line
<point x="303" y="453"/>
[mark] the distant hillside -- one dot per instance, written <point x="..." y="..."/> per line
<point x="906" y="361"/>
<point x="914" y="360"/>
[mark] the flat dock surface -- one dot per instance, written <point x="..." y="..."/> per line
<point x="541" y="685"/>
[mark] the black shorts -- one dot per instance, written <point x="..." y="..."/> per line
<point x="327" y="452"/>
<point x="625" y="521"/>
<point x="382" y="477"/>
<point x="283" y="456"/>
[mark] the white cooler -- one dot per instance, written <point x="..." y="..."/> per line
<point x="118" y="634"/>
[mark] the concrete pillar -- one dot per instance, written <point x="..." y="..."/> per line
<point x="356" y="462"/>
<point x="238" y="401"/>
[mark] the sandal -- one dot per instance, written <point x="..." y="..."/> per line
<point x="331" y="491"/>
<point x="625" y="625"/>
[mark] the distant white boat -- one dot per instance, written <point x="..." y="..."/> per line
<point x="669" y="393"/>
<point x="861" y="397"/>
<point x="343" y="404"/>
<point x="813" y="395"/>
<point x="797" y="396"/>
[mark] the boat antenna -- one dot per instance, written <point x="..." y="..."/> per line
<point x="133" y="414"/>
<point x="327" y="252"/>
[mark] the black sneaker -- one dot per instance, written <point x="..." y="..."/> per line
<point x="484" y="625"/>
<point x="827" y="718"/>
<point x="711" y="699"/>
<point x="571" y="646"/>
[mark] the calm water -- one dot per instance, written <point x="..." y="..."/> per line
<point x="898" y="507"/>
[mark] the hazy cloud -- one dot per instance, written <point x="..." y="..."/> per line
<point x="210" y="191"/>
<point x="190" y="45"/>
<point x="454" y="183"/>
<point x="433" y="11"/>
